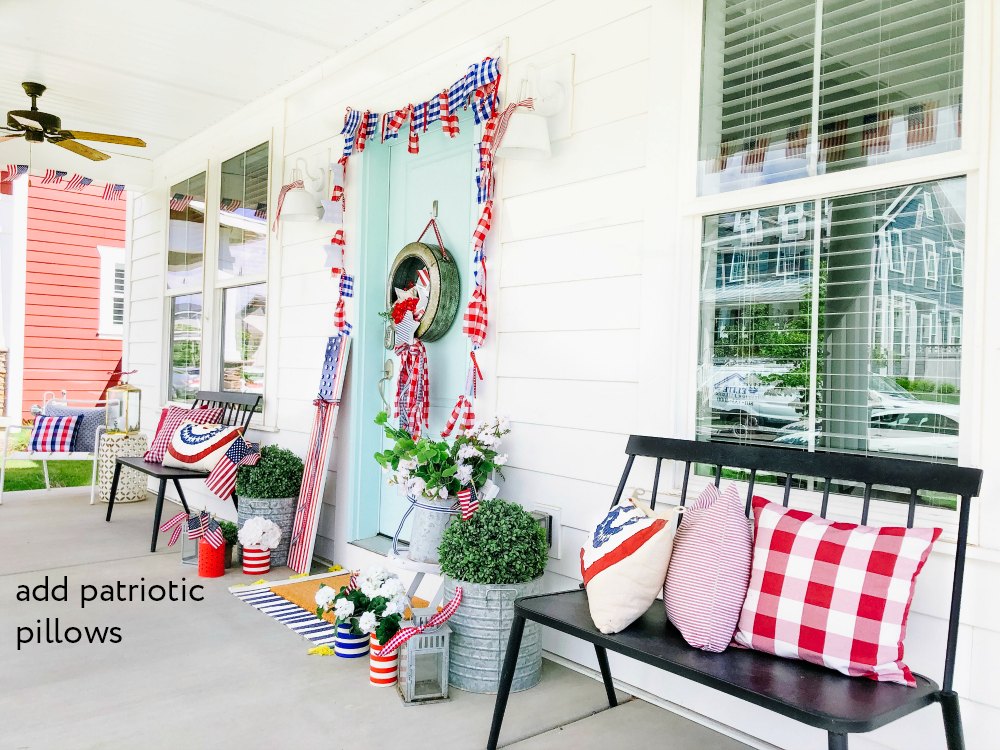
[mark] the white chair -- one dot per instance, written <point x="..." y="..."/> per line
<point x="28" y="455"/>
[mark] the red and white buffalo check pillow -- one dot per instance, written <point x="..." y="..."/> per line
<point x="171" y="419"/>
<point x="835" y="594"/>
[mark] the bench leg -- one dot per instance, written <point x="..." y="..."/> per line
<point x="609" y="686"/>
<point x="506" y="679"/>
<point x="114" y="491"/>
<point x="953" y="733"/>
<point x="158" y="513"/>
<point x="838" y="741"/>
<point x="180" y="493"/>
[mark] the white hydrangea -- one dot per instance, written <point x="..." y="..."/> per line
<point x="397" y="605"/>
<point x="416" y="486"/>
<point x="489" y="440"/>
<point x="464" y="474"/>
<point x="343" y="609"/>
<point x="391" y="587"/>
<point x="367" y="622"/>
<point x="259" y="532"/>
<point x="325" y="596"/>
<point x="468" y="451"/>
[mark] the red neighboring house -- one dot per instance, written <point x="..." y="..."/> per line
<point x="74" y="301"/>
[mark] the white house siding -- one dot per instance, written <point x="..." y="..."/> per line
<point x="593" y="305"/>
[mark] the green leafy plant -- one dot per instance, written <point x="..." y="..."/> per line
<point x="500" y="543"/>
<point x="440" y="468"/>
<point x="230" y="531"/>
<point x="376" y="603"/>
<point x="277" y="474"/>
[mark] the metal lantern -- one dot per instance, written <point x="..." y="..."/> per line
<point x="123" y="409"/>
<point x="423" y="662"/>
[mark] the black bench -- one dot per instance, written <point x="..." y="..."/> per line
<point x="811" y="694"/>
<point x="237" y="410"/>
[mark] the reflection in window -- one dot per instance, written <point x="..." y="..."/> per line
<point x="781" y="363"/>
<point x="243" y="215"/>
<point x="186" y="235"/>
<point x="889" y="79"/>
<point x="244" y="318"/>
<point x="185" y="346"/>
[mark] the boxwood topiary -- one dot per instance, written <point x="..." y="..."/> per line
<point x="500" y="543"/>
<point x="277" y="474"/>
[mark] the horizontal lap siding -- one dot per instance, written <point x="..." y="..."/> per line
<point x="62" y="293"/>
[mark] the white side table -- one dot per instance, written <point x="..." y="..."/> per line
<point x="131" y="483"/>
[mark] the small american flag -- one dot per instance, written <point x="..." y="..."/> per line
<point x="753" y="161"/>
<point x="468" y="502"/>
<point x="13" y="171"/>
<point x="222" y="480"/>
<point x="921" y="124"/>
<point x="197" y="525"/>
<point x="213" y="534"/>
<point x="261" y="211"/>
<point x="180" y="201"/>
<point x="77" y="183"/>
<point x="875" y="134"/>
<point x="53" y="177"/>
<point x="834" y="141"/>
<point x="114" y="192"/>
<point x="796" y="140"/>
<point x="230" y="204"/>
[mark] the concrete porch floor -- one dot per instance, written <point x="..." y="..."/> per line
<point x="217" y="673"/>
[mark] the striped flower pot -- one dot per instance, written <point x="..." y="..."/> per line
<point x="348" y="645"/>
<point x="256" y="561"/>
<point x="382" y="670"/>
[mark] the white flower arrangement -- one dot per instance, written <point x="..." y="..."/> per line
<point x="375" y="604"/>
<point x="260" y="533"/>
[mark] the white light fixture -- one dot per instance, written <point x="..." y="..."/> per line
<point x="527" y="135"/>
<point x="300" y="204"/>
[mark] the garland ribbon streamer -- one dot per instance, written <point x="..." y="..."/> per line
<point x="413" y="388"/>
<point x="281" y="200"/>
<point x="461" y="411"/>
<point x="435" y="621"/>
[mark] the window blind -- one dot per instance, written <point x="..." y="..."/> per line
<point x="888" y="86"/>
<point x="836" y="324"/>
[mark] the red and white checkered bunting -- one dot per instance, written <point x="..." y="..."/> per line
<point x="449" y="121"/>
<point x="462" y="416"/>
<point x="413" y="388"/>
<point x="476" y="318"/>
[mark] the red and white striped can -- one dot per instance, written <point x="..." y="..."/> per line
<point x="382" y="670"/>
<point x="256" y="561"/>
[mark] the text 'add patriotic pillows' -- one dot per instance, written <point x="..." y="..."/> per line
<point x="709" y="569"/>
<point x="624" y="562"/>
<point x="199" y="446"/>
<point x="170" y="419"/>
<point x="835" y="594"/>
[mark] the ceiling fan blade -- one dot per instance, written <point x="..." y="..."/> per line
<point x="79" y="148"/>
<point x="10" y="137"/>
<point x="124" y="140"/>
<point x="28" y="122"/>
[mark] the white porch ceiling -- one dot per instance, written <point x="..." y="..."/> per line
<point x="164" y="71"/>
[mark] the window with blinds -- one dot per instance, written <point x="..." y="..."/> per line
<point x="792" y="88"/>
<point x="118" y="296"/>
<point x="836" y="324"/>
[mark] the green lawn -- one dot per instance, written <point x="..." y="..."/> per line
<point x="27" y="475"/>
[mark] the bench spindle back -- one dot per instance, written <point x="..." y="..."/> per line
<point x="870" y="471"/>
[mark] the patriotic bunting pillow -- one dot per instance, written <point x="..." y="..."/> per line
<point x="624" y="563"/>
<point x="199" y="446"/>
<point x="834" y="594"/>
<point x="53" y="434"/>
<point x="170" y="419"/>
<point x="709" y="569"/>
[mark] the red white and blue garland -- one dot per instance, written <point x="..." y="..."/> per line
<point x="478" y="89"/>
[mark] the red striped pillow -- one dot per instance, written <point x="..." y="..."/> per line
<point x="709" y="569"/>
<point x="172" y="418"/>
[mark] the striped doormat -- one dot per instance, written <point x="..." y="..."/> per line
<point x="292" y="616"/>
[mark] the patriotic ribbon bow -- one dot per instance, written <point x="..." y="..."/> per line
<point x="435" y="621"/>
<point x="413" y="388"/>
<point x="175" y="526"/>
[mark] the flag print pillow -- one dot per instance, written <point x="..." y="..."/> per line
<point x="834" y="594"/>
<point x="624" y="562"/>
<point x="709" y="569"/>
<point x="199" y="446"/>
<point x="170" y="419"/>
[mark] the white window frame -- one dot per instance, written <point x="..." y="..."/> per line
<point x="896" y="258"/>
<point x="955" y="260"/>
<point x="910" y="266"/>
<point x="211" y="288"/>
<point x="930" y="263"/>
<point x="678" y="153"/>
<point x="111" y="258"/>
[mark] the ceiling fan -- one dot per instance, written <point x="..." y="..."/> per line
<point x="36" y="127"/>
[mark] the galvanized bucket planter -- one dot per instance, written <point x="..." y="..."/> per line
<point x="479" y="631"/>
<point x="281" y="510"/>
<point x="427" y="529"/>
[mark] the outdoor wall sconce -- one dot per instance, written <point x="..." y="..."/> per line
<point x="301" y="204"/>
<point x="527" y="134"/>
<point x="423" y="662"/>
